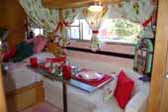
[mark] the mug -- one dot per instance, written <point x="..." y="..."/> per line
<point x="67" y="72"/>
<point x="34" y="62"/>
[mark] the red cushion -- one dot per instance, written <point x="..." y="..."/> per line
<point x="9" y="54"/>
<point x="124" y="89"/>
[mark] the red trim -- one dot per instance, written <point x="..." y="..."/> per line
<point x="58" y="59"/>
<point x="95" y="31"/>
<point x="152" y="18"/>
<point x="61" y="25"/>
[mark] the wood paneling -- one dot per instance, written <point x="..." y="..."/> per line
<point x="13" y="18"/>
<point x="164" y="97"/>
<point x="159" y="57"/>
<point x="164" y="91"/>
<point x="25" y="97"/>
<point x="2" y="96"/>
<point x="74" y="3"/>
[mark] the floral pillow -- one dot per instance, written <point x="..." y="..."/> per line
<point x="39" y="44"/>
<point x="9" y="54"/>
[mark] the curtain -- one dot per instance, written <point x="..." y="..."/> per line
<point x="140" y="11"/>
<point x="43" y="17"/>
<point x="94" y="20"/>
<point x="114" y="11"/>
<point x="69" y="16"/>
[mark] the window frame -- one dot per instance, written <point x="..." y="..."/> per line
<point x="100" y="52"/>
<point x="81" y="37"/>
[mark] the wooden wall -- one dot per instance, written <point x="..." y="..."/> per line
<point x="25" y="97"/>
<point x="13" y="18"/>
<point x="159" y="64"/>
<point x="2" y="94"/>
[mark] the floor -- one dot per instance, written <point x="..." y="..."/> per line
<point x="43" y="107"/>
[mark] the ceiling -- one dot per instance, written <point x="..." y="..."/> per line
<point x="74" y="3"/>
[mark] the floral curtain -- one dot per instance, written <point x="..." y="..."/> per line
<point x="137" y="10"/>
<point x="140" y="11"/>
<point x="114" y="11"/>
<point x="69" y="16"/>
<point x="94" y="20"/>
<point x="43" y="17"/>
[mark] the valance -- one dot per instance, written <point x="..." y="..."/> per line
<point x="43" y="17"/>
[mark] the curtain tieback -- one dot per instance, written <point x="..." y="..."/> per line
<point x="61" y="25"/>
<point x="152" y="18"/>
<point x="65" y="23"/>
<point x="95" y="31"/>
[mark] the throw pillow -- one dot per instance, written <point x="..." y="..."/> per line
<point x="9" y="54"/>
<point x="23" y="50"/>
<point x="124" y="89"/>
<point x="39" y="44"/>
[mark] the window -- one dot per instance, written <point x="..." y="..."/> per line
<point x="33" y="29"/>
<point x="33" y="32"/>
<point x="37" y="31"/>
<point x="111" y="30"/>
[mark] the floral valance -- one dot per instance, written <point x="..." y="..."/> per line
<point x="43" y="17"/>
<point x="135" y="10"/>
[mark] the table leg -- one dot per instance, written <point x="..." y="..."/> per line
<point x="64" y="96"/>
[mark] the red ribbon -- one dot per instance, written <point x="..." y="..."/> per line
<point x="95" y="31"/>
<point x="152" y="18"/>
<point x="61" y="25"/>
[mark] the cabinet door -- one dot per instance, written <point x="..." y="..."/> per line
<point x="164" y="91"/>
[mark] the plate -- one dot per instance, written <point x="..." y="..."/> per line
<point x="89" y="75"/>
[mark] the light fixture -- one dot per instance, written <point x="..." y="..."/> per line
<point x="96" y="7"/>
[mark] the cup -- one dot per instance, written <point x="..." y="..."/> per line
<point x="34" y="62"/>
<point x="67" y="72"/>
